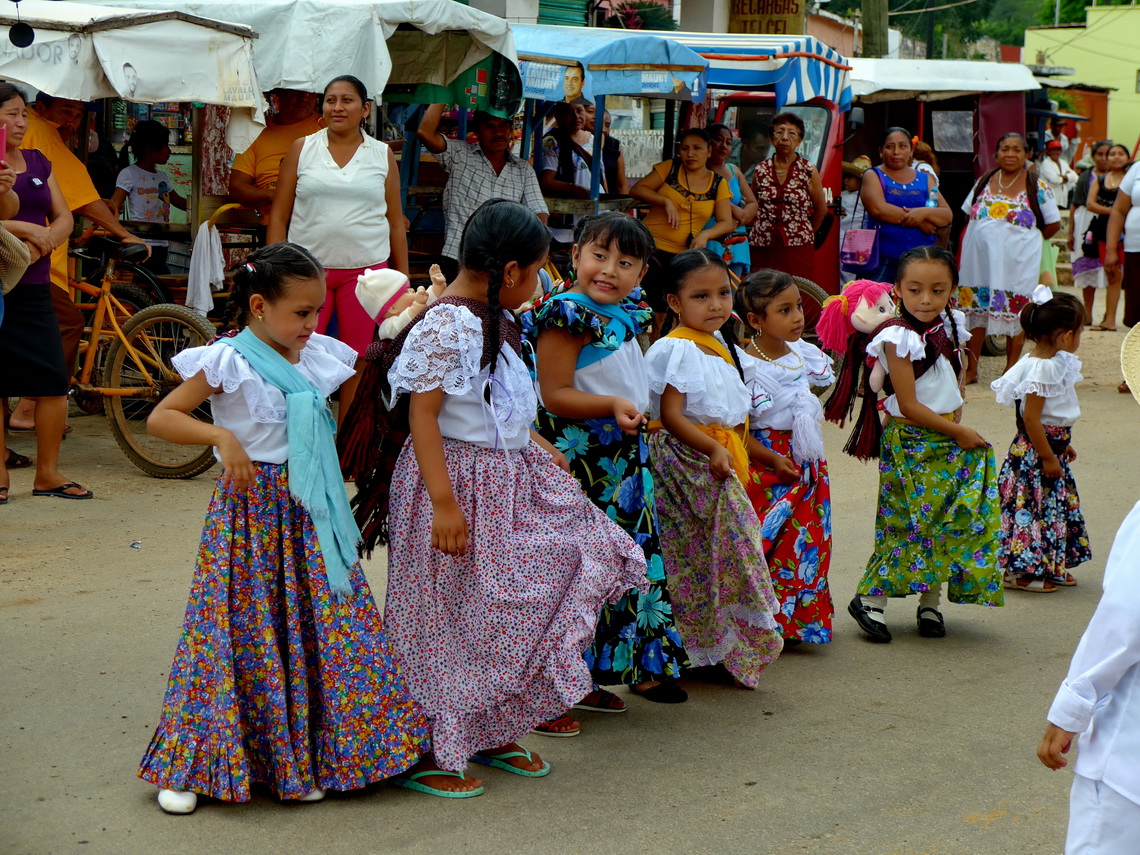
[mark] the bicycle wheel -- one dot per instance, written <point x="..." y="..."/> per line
<point x="156" y="335"/>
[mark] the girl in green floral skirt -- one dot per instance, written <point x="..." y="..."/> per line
<point x="938" y="514"/>
<point x="594" y="393"/>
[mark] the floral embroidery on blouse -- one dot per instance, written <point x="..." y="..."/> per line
<point x="785" y="209"/>
<point x="990" y="206"/>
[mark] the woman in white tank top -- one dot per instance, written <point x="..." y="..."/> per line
<point x="338" y="195"/>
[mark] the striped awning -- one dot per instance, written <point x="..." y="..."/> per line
<point x="799" y="68"/>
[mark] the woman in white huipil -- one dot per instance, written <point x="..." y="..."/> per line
<point x="338" y="195"/>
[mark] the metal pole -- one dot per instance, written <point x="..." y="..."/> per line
<point x="596" y="171"/>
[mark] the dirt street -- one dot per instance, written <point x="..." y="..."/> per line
<point x="921" y="746"/>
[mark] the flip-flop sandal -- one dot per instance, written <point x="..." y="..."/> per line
<point x="412" y="782"/>
<point x="1029" y="584"/>
<point x="60" y="492"/>
<point x="607" y="702"/>
<point x="4" y="495"/>
<point x="499" y="761"/>
<point x="547" y="728"/>
<point x="17" y="461"/>
<point x="1102" y="328"/>
<point x="1068" y="580"/>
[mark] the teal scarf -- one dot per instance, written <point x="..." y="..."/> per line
<point x="315" y="482"/>
<point x="619" y="327"/>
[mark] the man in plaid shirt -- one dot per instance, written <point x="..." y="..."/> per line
<point x="477" y="172"/>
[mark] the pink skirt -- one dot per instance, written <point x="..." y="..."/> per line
<point x="491" y="642"/>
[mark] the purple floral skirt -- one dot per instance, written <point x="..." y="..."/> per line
<point x="274" y="682"/>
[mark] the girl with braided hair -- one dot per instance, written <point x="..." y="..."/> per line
<point x="492" y="607"/>
<point x="711" y="539"/>
<point x="938" y="513"/>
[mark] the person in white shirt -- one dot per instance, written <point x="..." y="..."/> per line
<point x="145" y="190"/>
<point x="1056" y="172"/>
<point x="1100" y="701"/>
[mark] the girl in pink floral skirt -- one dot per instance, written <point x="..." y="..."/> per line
<point x="498" y="564"/>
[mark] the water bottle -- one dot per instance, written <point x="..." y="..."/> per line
<point x="931" y="193"/>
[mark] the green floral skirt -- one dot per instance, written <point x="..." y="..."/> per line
<point x="637" y="640"/>
<point x="938" y="521"/>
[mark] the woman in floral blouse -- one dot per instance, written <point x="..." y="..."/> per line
<point x="1001" y="253"/>
<point x="792" y="205"/>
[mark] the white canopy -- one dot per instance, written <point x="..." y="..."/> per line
<point x="83" y="52"/>
<point x="934" y="79"/>
<point x="306" y="43"/>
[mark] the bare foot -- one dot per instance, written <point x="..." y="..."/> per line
<point x="447" y="783"/>
<point x="534" y="764"/>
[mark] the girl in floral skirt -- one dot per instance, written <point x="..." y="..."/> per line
<point x="1043" y="533"/>
<point x="700" y="401"/>
<point x="498" y="565"/>
<point x="788" y="482"/>
<point x="283" y="675"/>
<point x="938" y="514"/>
<point x="594" y="394"/>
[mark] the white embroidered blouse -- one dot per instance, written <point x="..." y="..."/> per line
<point x="249" y="407"/>
<point x="938" y="388"/>
<point x="714" y="393"/>
<point x="1053" y="379"/>
<point x="443" y="351"/>
<point x="788" y="382"/>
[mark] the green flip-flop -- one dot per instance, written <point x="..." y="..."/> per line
<point x="498" y="761"/>
<point x="412" y="782"/>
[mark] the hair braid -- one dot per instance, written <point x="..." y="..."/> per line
<point x="494" y="286"/>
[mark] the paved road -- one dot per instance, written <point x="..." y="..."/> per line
<point x="921" y="746"/>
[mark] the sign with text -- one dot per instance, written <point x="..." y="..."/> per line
<point x="768" y="17"/>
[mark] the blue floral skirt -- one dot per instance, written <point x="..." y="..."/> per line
<point x="274" y="682"/>
<point x="637" y="640"/>
<point x="938" y="519"/>
<point x="1043" y="531"/>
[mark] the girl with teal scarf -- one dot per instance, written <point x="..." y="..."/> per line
<point x="282" y="675"/>
<point x="594" y="395"/>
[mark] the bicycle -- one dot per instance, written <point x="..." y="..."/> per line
<point x="126" y="363"/>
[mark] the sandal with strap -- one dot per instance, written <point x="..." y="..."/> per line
<point x="1066" y="580"/>
<point x="499" y="761"/>
<point x="1027" y="583"/>
<point x="930" y="622"/>
<point x="549" y="728"/>
<point x="17" y="461"/>
<point x="412" y="782"/>
<point x="601" y="700"/>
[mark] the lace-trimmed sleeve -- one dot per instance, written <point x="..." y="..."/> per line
<point x="674" y="362"/>
<point x="227" y="370"/>
<point x="441" y="352"/>
<point x="908" y="344"/>
<point x="1047" y="378"/>
<point x="958" y="319"/>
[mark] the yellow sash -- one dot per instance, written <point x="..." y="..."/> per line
<point x="727" y="437"/>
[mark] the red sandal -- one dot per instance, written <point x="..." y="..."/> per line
<point x="551" y="727"/>
<point x="600" y="700"/>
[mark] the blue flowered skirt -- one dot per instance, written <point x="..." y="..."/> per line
<point x="938" y="519"/>
<point x="1043" y="531"/>
<point x="637" y="640"/>
<point x="274" y="682"/>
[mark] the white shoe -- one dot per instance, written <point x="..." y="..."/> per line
<point x="314" y="795"/>
<point x="177" y="801"/>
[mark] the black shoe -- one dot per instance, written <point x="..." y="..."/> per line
<point x="663" y="693"/>
<point x="930" y="627"/>
<point x="877" y="631"/>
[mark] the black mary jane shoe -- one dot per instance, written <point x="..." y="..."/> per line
<point x="875" y="630"/>
<point x="667" y="692"/>
<point x="930" y="627"/>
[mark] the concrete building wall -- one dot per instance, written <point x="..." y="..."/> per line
<point x="1106" y="52"/>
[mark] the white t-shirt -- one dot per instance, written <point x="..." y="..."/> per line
<point x="581" y="175"/>
<point x="1130" y="186"/>
<point x="256" y="416"/>
<point x="148" y="195"/>
<point x="938" y="388"/>
<point x="620" y="374"/>
<point x="1053" y="379"/>
<point x="443" y="351"/>
<point x="340" y="215"/>
<point x="714" y="393"/>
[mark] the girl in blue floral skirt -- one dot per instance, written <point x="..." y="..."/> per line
<point x="594" y="395"/>
<point x="282" y="675"/>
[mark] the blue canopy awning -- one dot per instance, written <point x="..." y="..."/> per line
<point x="799" y="68"/>
<point x="616" y="62"/>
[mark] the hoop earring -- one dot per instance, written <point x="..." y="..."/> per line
<point x="321" y="123"/>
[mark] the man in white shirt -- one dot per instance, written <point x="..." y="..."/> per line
<point x="1056" y="172"/>
<point x="477" y="172"/>
<point x="1100" y="699"/>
